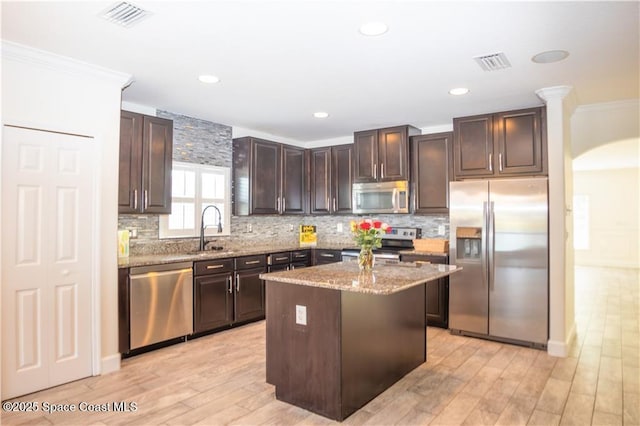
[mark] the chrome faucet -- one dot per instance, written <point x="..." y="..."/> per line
<point x="203" y="226"/>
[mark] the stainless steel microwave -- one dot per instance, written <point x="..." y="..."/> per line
<point x="381" y="197"/>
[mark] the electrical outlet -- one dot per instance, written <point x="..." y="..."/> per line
<point x="133" y="233"/>
<point x="301" y="315"/>
<point x="339" y="227"/>
<point x="291" y="227"/>
<point x="249" y="227"/>
<point x="440" y="229"/>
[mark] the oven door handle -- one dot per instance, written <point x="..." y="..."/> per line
<point x="386" y="256"/>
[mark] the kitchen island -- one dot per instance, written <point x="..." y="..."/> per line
<point x="337" y="337"/>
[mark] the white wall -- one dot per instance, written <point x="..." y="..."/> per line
<point x="49" y="92"/>
<point x="614" y="215"/>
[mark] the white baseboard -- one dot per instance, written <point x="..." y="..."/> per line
<point x="110" y="363"/>
<point x="559" y="348"/>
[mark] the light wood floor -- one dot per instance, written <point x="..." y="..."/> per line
<point x="219" y="379"/>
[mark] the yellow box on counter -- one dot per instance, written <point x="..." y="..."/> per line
<point x="433" y="245"/>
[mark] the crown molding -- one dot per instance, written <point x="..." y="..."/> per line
<point x="40" y="58"/>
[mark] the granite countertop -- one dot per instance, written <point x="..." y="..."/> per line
<point x="386" y="278"/>
<point x="161" y="259"/>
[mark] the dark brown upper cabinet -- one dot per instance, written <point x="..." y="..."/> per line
<point x="146" y="144"/>
<point x="383" y="154"/>
<point x="511" y="143"/>
<point x="431" y="172"/>
<point x="331" y="178"/>
<point x="268" y="178"/>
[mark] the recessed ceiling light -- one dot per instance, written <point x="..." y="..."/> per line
<point x="320" y="114"/>
<point x="373" y="28"/>
<point x="550" y="56"/>
<point x="208" y="78"/>
<point x="459" y="91"/>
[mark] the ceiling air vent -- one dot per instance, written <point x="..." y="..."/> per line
<point x="124" y="14"/>
<point x="493" y="62"/>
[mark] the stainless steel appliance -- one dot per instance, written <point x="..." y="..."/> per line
<point x="381" y="197"/>
<point x="392" y="243"/>
<point x="161" y="303"/>
<point x="499" y="235"/>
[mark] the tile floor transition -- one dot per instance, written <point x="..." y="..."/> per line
<point x="219" y="379"/>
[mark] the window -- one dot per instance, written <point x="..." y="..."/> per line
<point x="581" y="222"/>
<point x="194" y="187"/>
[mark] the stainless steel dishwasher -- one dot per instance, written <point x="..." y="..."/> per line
<point x="161" y="303"/>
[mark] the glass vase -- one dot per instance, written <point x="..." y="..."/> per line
<point x="366" y="259"/>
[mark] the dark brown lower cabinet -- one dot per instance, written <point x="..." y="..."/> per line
<point x="249" y="295"/>
<point x="437" y="291"/>
<point x="227" y="291"/>
<point x="212" y="294"/>
<point x="249" y="288"/>
<point x="324" y="256"/>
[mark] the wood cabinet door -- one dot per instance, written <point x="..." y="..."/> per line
<point x="213" y="303"/>
<point x="265" y="178"/>
<point x="320" y="181"/>
<point x="473" y="150"/>
<point x="520" y="147"/>
<point x="393" y="154"/>
<point x="341" y="178"/>
<point x="365" y="145"/>
<point x="249" y="295"/>
<point x="293" y="181"/>
<point x="431" y="172"/>
<point x="130" y="166"/>
<point x="437" y="292"/>
<point x="157" y="145"/>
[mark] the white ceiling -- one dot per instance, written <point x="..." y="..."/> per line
<point x="280" y="61"/>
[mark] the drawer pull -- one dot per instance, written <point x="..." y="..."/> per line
<point x="298" y="256"/>
<point x="327" y="255"/>
<point x="252" y="262"/>
<point x="214" y="266"/>
<point x="282" y="258"/>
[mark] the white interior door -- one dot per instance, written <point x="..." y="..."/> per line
<point x="47" y="225"/>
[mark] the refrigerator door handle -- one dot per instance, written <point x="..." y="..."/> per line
<point x="491" y="245"/>
<point x="485" y="247"/>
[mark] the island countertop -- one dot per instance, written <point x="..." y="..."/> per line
<point x="386" y="277"/>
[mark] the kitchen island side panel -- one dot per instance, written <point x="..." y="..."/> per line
<point x="303" y="361"/>
<point x="383" y="338"/>
<point x="353" y="347"/>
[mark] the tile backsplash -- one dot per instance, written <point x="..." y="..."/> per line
<point x="204" y="142"/>
<point x="270" y="230"/>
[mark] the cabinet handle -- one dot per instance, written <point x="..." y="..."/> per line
<point x="375" y="171"/>
<point x="500" y="160"/>
<point x="327" y="255"/>
<point x="135" y="199"/>
<point x="415" y="197"/>
<point x="335" y="209"/>
<point x="284" y="204"/>
<point x="490" y="162"/>
<point x="298" y="256"/>
<point x="146" y="199"/>
<point x="214" y="266"/>
<point x="382" y="171"/>
<point x="237" y="283"/>
<point x="281" y="258"/>
<point x="252" y="262"/>
<point x="230" y="282"/>
<point x="278" y="204"/>
<point x="328" y="205"/>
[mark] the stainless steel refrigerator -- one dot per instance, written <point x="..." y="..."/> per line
<point x="499" y="235"/>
